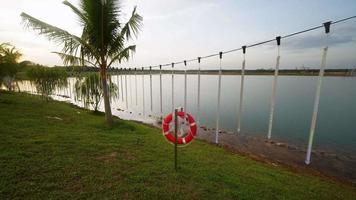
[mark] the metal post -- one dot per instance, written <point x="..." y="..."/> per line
<point x="122" y="87"/>
<point x="218" y="106"/>
<point x="274" y="89"/>
<point x="118" y="86"/>
<point x="198" y="105"/>
<point x="127" y="102"/>
<point x="176" y="139"/>
<point x="70" y="88"/>
<point x="241" y="90"/>
<point x="172" y="87"/>
<point x="143" y="93"/>
<point x="88" y="86"/>
<point x="130" y="81"/>
<point x="151" y="89"/>
<point x="185" y="90"/>
<point x="317" y="95"/>
<point x="160" y="90"/>
<point x="136" y="85"/>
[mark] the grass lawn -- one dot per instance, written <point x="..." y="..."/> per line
<point x="55" y="150"/>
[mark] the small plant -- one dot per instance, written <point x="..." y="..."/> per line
<point x="9" y="57"/>
<point x="90" y="90"/>
<point x="47" y="79"/>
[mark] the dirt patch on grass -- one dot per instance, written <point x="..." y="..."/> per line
<point x="108" y="158"/>
<point x="54" y="117"/>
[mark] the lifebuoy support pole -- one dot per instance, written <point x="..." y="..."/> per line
<point x="176" y="139"/>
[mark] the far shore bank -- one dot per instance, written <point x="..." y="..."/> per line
<point x="261" y="72"/>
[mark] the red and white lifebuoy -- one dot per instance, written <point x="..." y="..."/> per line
<point x="170" y="135"/>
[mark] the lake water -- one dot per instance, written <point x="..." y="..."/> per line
<point x="336" y="124"/>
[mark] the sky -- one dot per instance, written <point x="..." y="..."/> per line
<point x="175" y="30"/>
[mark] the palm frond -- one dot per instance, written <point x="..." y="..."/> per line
<point x="73" y="60"/>
<point x="133" y="26"/>
<point x="71" y="42"/>
<point x="83" y="19"/>
<point x="123" y="55"/>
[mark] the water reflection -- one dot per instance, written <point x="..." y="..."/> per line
<point x="294" y="103"/>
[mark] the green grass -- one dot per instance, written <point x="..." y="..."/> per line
<point x="79" y="157"/>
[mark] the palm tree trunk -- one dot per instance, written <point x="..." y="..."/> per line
<point x="104" y="83"/>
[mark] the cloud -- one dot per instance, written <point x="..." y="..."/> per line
<point x="316" y="41"/>
<point x="339" y="36"/>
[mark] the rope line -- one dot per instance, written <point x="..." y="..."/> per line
<point x="251" y="45"/>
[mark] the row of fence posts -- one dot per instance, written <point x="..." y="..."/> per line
<point x="217" y="130"/>
<point x="240" y="107"/>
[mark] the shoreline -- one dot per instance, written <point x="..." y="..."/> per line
<point x="327" y="164"/>
<point x="330" y="165"/>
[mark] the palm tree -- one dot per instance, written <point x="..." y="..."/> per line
<point x="9" y="57"/>
<point x="102" y="42"/>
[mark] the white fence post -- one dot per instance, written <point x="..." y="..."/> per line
<point x="118" y="86"/>
<point x="143" y="93"/>
<point x="218" y="106"/>
<point x="122" y="87"/>
<point x="172" y="87"/>
<point x="136" y="85"/>
<point x="130" y="81"/>
<point x="274" y="89"/>
<point x="317" y="95"/>
<point x="160" y="90"/>
<point x="151" y="90"/>
<point x="185" y="90"/>
<point x="198" y="104"/>
<point x="241" y="90"/>
<point x="127" y="102"/>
